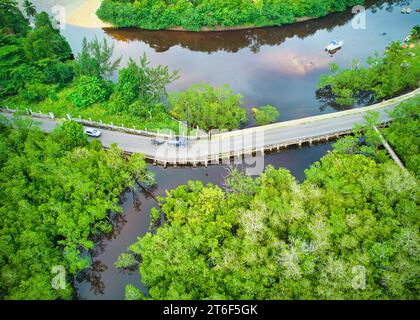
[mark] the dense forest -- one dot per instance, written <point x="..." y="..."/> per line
<point x="402" y="133"/>
<point x="193" y="15"/>
<point x="349" y="231"/>
<point x="57" y="192"/>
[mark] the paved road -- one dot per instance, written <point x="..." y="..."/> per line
<point x="242" y="141"/>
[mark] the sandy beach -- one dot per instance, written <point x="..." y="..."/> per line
<point x="85" y="16"/>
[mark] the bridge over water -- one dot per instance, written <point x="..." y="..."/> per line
<point x="247" y="142"/>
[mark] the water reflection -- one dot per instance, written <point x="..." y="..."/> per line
<point x="289" y="63"/>
<point x="94" y="277"/>
<point x="229" y="41"/>
<point x="279" y="66"/>
<point x="233" y="41"/>
<point x="103" y="280"/>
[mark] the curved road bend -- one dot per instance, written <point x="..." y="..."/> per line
<point x="242" y="141"/>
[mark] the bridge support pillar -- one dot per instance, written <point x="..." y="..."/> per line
<point x="310" y="143"/>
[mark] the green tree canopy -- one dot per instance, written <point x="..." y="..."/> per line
<point x="31" y="61"/>
<point x="29" y="8"/>
<point x="56" y="192"/>
<point x="139" y="84"/>
<point x="350" y="230"/>
<point x="208" y="107"/>
<point x="402" y="133"/>
<point x="95" y="59"/>
<point x="386" y="76"/>
<point x="265" y="115"/>
<point x="45" y="41"/>
<point x="351" y="218"/>
<point x="192" y="15"/>
<point x="12" y="20"/>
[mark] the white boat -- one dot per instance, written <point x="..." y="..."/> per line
<point x="408" y="10"/>
<point x="334" y="45"/>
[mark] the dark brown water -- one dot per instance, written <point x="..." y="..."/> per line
<point x="104" y="281"/>
<point x="280" y="66"/>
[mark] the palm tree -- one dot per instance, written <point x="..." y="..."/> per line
<point x="30" y="9"/>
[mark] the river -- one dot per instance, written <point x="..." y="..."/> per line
<point x="103" y="280"/>
<point x="280" y="66"/>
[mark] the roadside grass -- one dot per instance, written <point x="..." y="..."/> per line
<point x="59" y="104"/>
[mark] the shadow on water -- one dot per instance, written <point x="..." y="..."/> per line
<point x="103" y="280"/>
<point x="229" y="41"/>
<point x="233" y="41"/>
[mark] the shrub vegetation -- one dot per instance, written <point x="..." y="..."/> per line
<point x="193" y="15"/>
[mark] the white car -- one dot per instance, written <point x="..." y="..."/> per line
<point x="334" y="45"/>
<point x="92" y="132"/>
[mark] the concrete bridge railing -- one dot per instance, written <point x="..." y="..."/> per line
<point x="199" y="134"/>
<point x="338" y="114"/>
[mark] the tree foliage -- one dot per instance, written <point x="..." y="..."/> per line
<point x="265" y="115"/>
<point x="56" y="192"/>
<point x="37" y="67"/>
<point x="349" y="231"/>
<point x="31" y="58"/>
<point x="398" y="70"/>
<point x="45" y="42"/>
<point x="192" y="15"/>
<point x="90" y="90"/>
<point x="12" y="21"/>
<point x="30" y="9"/>
<point x="95" y="59"/>
<point x="208" y="107"/>
<point x="140" y="85"/>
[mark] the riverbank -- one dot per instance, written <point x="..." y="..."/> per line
<point x="241" y="27"/>
<point x="85" y="16"/>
